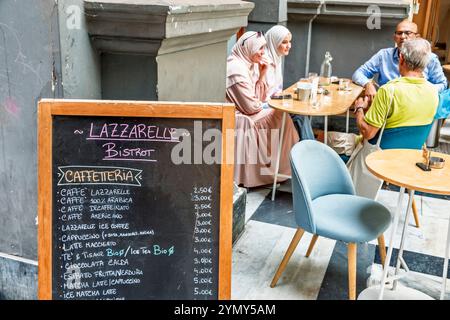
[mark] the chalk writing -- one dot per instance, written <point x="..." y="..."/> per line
<point x="203" y="269"/>
<point x="135" y="154"/>
<point x="76" y="175"/>
<point x="125" y="131"/>
<point x="145" y="230"/>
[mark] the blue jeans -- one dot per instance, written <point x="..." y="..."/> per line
<point x="303" y="126"/>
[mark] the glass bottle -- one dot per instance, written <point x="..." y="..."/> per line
<point x="326" y="70"/>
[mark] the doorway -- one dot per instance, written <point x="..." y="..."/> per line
<point x="433" y="20"/>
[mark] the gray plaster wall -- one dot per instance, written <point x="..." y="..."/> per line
<point x="128" y="77"/>
<point x="349" y="44"/>
<point x="344" y="34"/>
<point x="295" y="62"/>
<point x="80" y="61"/>
<point x="18" y="278"/>
<point x="266" y="14"/>
<point x="29" y="70"/>
<point x="268" y="11"/>
<point x="230" y="44"/>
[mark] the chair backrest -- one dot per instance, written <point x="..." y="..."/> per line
<point x="316" y="171"/>
<point x="403" y="137"/>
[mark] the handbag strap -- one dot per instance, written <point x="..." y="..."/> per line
<point x="385" y="120"/>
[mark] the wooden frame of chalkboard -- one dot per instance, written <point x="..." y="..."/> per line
<point x="50" y="109"/>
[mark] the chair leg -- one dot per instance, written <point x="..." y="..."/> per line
<point x="416" y="214"/>
<point x="382" y="249"/>
<point x="352" y="271"/>
<point x="311" y="245"/>
<point x="294" y="242"/>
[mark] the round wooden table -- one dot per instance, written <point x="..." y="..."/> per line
<point x="398" y="166"/>
<point x="334" y="103"/>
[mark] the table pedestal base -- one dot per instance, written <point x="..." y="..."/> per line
<point x="401" y="293"/>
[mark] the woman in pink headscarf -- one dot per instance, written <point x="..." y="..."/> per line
<point x="246" y="87"/>
<point x="278" y="46"/>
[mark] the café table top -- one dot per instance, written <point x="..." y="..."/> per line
<point x="336" y="102"/>
<point x="398" y="166"/>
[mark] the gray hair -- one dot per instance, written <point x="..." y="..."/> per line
<point x="417" y="53"/>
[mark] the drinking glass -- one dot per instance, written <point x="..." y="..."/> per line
<point x="303" y="90"/>
<point x="312" y="75"/>
<point x="314" y="88"/>
<point x="341" y="86"/>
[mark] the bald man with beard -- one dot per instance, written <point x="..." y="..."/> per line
<point x="385" y="63"/>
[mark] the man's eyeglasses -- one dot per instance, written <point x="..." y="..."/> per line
<point x="406" y="33"/>
<point x="257" y="34"/>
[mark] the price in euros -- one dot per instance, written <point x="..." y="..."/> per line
<point x="202" y="189"/>
<point x="203" y="271"/>
<point x="206" y="292"/>
<point x="202" y="206"/>
<point x="203" y="251"/>
<point x="202" y="230"/>
<point x="198" y="280"/>
<point x="202" y="240"/>
<point x="204" y="215"/>
<point x="196" y="198"/>
<point x="203" y="261"/>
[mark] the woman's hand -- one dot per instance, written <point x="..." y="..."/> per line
<point x="263" y="66"/>
<point x="278" y="93"/>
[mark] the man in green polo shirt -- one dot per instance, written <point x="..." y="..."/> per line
<point x="404" y="102"/>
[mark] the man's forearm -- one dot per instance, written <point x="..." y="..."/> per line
<point x="360" y="78"/>
<point x="365" y="129"/>
<point x="360" y="121"/>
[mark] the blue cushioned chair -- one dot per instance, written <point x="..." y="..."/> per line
<point x="325" y="205"/>
<point x="403" y="137"/>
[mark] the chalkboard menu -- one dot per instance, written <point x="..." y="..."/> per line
<point x="136" y="206"/>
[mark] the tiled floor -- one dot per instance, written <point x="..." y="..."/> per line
<point x="271" y="226"/>
<point x="323" y="275"/>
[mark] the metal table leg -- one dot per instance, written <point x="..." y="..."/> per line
<point x="391" y="242"/>
<point x="447" y="255"/>
<point x="277" y="167"/>
<point x="400" y="260"/>
<point x="347" y="121"/>
<point x="325" y="138"/>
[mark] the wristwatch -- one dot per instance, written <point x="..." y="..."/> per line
<point x="357" y="108"/>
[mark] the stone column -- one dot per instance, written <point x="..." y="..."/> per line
<point x="157" y="51"/>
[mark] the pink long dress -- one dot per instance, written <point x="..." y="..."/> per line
<point x="257" y="137"/>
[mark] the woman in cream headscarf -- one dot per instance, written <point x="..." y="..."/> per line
<point x="246" y="87"/>
<point x="278" y="45"/>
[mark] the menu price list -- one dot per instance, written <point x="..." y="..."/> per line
<point x="125" y="225"/>
<point x="202" y="245"/>
<point x="95" y="261"/>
